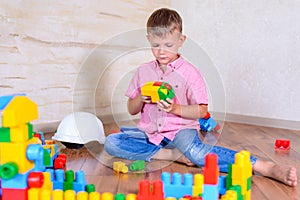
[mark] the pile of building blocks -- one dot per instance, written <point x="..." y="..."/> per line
<point x="32" y="169"/>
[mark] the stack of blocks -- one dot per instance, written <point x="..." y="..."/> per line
<point x="30" y="166"/>
<point x="32" y="169"/>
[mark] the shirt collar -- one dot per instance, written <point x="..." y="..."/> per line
<point x="175" y="64"/>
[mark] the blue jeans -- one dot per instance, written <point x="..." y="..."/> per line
<point x="133" y="144"/>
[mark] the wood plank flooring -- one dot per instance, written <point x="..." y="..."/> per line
<point x="256" y="139"/>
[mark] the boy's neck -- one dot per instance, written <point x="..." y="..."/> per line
<point x="163" y="67"/>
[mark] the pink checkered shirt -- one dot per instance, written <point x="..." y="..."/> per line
<point x="189" y="89"/>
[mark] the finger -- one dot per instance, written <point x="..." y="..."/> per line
<point x="170" y="101"/>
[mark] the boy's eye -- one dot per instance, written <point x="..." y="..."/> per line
<point x="155" y="45"/>
<point x="169" y="45"/>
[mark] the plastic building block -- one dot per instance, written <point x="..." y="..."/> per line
<point x="210" y="192"/>
<point x="282" y="144"/>
<point x="60" y="161"/>
<point x="120" y="167"/>
<point x="57" y="195"/>
<point x="146" y="193"/>
<point x="14" y="194"/>
<point x="8" y="170"/>
<point x="90" y="188"/>
<point x="35" y="152"/>
<point x="208" y="123"/>
<point x="4" y="134"/>
<point x="177" y="188"/>
<point x="80" y="182"/>
<point x="58" y="180"/>
<point x="242" y="171"/>
<point x="19" y="181"/>
<point x="119" y="196"/>
<point x="69" y="180"/>
<point x="211" y="169"/>
<point x="131" y="197"/>
<point x="35" y="180"/>
<point x="198" y="185"/>
<point x="230" y="195"/>
<point x="137" y="165"/>
<point x="94" y="196"/>
<point x="222" y="185"/>
<point x="69" y="195"/>
<point x="158" y="91"/>
<point x="82" y="195"/>
<point x="14" y="152"/>
<point x="107" y="196"/>
<point x="18" y="111"/>
<point x="20" y="133"/>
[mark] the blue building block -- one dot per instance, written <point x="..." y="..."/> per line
<point x="177" y="189"/>
<point x="210" y="192"/>
<point x="207" y="124"/>
<point x="17" y="182"/>
<point x="35" y="152"/>
<point x="79" y="183"/>
<point x="58" y="180"/>
<point x="222" y="185"/>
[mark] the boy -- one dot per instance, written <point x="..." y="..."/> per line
<point x="173" y="123"/>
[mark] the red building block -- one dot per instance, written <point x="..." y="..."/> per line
<point x="282" y="144"/>
<point x="211" y="169"/>
<point x="145" y="192"/>
<point x="14" y="194"/>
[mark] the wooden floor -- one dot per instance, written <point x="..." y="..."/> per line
<point x="256" y="139"/>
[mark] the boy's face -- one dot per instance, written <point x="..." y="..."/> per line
<point x="165" y="48"/>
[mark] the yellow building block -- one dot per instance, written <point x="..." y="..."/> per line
<point x="149" y="90"/>
<point x="57" y="195"/>
<point x="34" y="194"/>
<point x="69" y="195"/>
<point x="20" y="133"/>
<point x="131" y="197"/>
<point x="48" y="185"/>
<point x="94" y="196"/>
<point x="107" y="196"/>
<point x="242" y="170"/>
<point x="82" y="195"/>
<point x="16" y="152"/>
<point x="230" y="195"/>
<point x="45" y="194"/>
<point x="120" y="167"/>
<point x="198" y="184"/>
<point x="20" y="110"/>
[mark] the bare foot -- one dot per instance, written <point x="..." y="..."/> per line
<point x="186" y="161"/>
<point x="284" y="174"/>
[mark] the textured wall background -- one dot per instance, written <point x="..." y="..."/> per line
<point x="255" y="47"/>
<point x="50" y="51"/>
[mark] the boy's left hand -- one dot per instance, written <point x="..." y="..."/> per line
<point x="167" y="105"/>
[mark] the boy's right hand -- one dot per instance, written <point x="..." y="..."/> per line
<point x="145" y="99"/>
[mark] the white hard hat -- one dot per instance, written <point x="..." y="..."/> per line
<point x="80" y="128"/>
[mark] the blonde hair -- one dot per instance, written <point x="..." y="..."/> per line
<point x="164" y="21"/>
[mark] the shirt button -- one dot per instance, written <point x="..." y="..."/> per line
<point x="159" y="109"/>
<point x="159" y="125"/>
<point x="161" y="78"/>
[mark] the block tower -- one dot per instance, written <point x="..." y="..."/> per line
<point x="24" y="160"/>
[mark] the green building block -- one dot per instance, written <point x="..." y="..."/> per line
<point x="69" y="180"/>
<point x="90" y="188"/>
<point x="119" y="196"/>
<point x="137" y="165"/>
<point x="238" y="190"/>
<point x="47" y="158"/>
<point x="4" y="135"/>
<point x="30" y="130"/>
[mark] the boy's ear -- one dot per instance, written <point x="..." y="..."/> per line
<point x="182" y="39"/>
